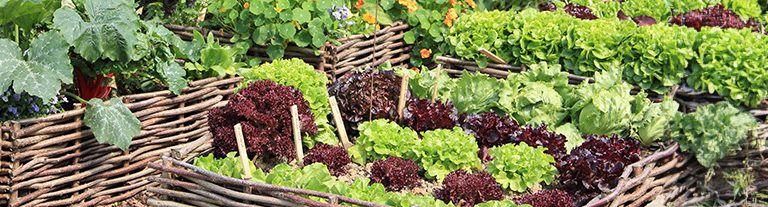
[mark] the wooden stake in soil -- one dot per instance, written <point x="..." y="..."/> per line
<point x="401" y="100"/>
<point x="490" y="55"/>
<point x="297" y="135"/>
<point x="243" y="154"/>
<point x="437" y="81"/>
<point x="339" y="123"/>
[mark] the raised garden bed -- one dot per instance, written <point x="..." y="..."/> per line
<point x="56" y="161"/>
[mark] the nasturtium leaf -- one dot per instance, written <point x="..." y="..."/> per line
<point x="318" y="41"/>
<point x="409" y="37"/>
<point x="111" y="32"/>
<point x="301" y="15"/>
<point x="303" y="39"/>
<point x="173" y="74"/>
<point x="112" y="122"/>
<point x="257" y="7"/>
<point x="287" y="30"/>
<point x="46" y="67"/>
<point x="275" y="51"/>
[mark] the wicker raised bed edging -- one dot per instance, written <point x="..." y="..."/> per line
<point x="356" y="51"/>
<point x="183" y="184"/>
<point x="55" y="160"/>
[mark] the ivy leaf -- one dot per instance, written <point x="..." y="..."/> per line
<point x="174" y="76"/>
<point x="112" y="122"/>
<point x="46" y="68"/>
<point x="111" y="32"/>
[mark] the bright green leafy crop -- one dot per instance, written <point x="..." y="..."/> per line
<point x="521" y="167"/>
<point x="713" y="131"/>
<point x="654" y="61"/>
<point x="502" y="203"/>
<point x="539" y="36"/>
<point x="443" y="151"/>
<point x="604" y="108"/>
<point x="732" y="63"/>
<point x="475" y="93"/>
<point x="228" y="166"/>
<point x="422" y="83"/>
<point x="652" y="120"/>
<point x="381" y="138"/>
<point x="533" y="97"/>
<point x="481" y="30"/>
<point x="594" y="46"/>
<point x="658" y="9"/>
<point x="311" y="83"/>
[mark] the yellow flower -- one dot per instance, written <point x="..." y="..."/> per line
<point x="378" y="27"/>
<point x="425" y="53"/>
<point x="471" y="3"/>
<point x="370" y="19"/>
<point x="449" y="17"/>
<point x="277" y="8"/>
<point x="247" y="5"/>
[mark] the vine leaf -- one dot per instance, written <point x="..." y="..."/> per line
<point x="46" y="66"/>
<point x="111" y="32"/>
<point x="173" y="74"/>
<point x="112" y="122"/>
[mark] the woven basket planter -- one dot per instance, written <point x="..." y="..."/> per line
<point x="385" y="45"/>
<point x="56" y="161"/>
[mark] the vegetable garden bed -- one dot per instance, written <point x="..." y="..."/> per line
<point x="56" y="161"/>
<point x="356" y="51"/>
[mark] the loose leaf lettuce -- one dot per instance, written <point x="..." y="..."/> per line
<point x="604" y="108"/>
<point x="533" y="97"/>
<point x="481" y="30"/>
<point x="713" y="131"/>
<point x="44" y="69"/>
<point x="443" y="151"/>
<point x="381" y="138"/>
<point x="652" y="122"/>
<point x="521" y="167"/>
<point x="655" y="61"/>
<point x="229" y="166"/>
<point x="112" y="122"/>
<point x="422" y="83"/>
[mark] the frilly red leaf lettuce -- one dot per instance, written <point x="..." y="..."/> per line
<point x="335" y="157"/>
<point x="467" y="189"/>
<point x="424" y="115"/>
<point x="395" y="173"/>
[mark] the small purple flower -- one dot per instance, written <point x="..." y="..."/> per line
<point x="55" y="100"/>
<point x="340" y="13"/>
<point x="16" y="96"/>
<point x="35" y="108"/>
<point x="14" y="111"/>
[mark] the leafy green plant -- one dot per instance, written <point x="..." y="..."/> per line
<point x="229" y="166"/>
<point x="538" y="36"/>
<point x="310" y="82"/>
<point x="475" y="93"/>
<point x="593" y="47"/>
<point x="713" y="131"/>
<point x="275" y="23"/>
<point x="443" y="151"/>
<point x="521" y="167"/>
<point x="730" y="62"/>
<point x="603" y="107"/>
<point x="658" y="9"/>
<point x="652" y="120"/>
<point x="655" y="62"/>
<point x="481" y="30"/>
<point x="533" y="97"/>
<point x="41" y="70"/>
<point x="381" y="138"/>
<point x="509" y="5"/>
<point x="422" y="84"/>
<point x="503" y="203"/>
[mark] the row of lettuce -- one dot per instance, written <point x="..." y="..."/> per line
<point x="655" y="57"/>
<point x="520" y="134"/>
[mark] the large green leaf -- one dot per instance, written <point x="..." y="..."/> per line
<point x="26" y="13"/>
<point x="112" y="122"/>
<point x="173" y="74"/>
<point x="110" y="33"/>
<point x="46" y="67"/>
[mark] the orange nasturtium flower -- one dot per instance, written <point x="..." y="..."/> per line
<point x="370" y="19"/>
<point x="471" y="3"/>
<point x="453" y="2"/>
<point x="450" y="16"/>
<point x="247" y="5"/>
<point x="425" y="53"/>
<point x="410" y="4"/>
<point x="359" y="4"/>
